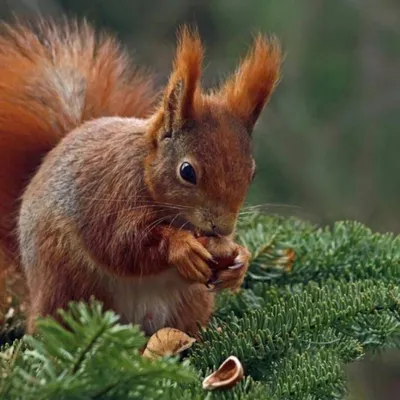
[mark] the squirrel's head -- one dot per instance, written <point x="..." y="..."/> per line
<point x="201" y="162"/>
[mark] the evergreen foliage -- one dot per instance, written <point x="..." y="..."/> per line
<point x="294" y="326"/>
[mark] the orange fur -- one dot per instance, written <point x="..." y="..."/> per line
<point x="250" y="88"/>
<point x="102" y="208"/>
<point x="244" y="94"/>
<point x="50" y="83"/>
<point x="183" y="91"/>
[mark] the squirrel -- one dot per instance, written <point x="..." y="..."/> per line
<point x="112" y="189"/>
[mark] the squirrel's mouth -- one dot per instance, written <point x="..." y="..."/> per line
<point x="184" y="224"/>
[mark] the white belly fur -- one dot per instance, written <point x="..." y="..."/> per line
<point x="159" y="295"/>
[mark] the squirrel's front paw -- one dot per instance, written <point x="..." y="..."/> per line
<point x="190" y="257"/>
<point x="232" y="277"/>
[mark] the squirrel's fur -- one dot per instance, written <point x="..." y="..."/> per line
<point x="92" y="202"/>
<point x="51" y="81"/>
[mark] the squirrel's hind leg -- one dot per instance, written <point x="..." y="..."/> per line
<point x="58" y="275"/>
<point x="196" y="309"/>
<point x="58" y="270"/>
<point x="57" y="290"/>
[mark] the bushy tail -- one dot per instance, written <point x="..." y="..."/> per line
<point x="53" y="78"/>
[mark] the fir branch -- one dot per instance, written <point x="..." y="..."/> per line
<point x="97" y="357"/>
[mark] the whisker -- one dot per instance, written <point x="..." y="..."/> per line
<point x="286" y="209"/>
<point x="270" y="205"/>
<point x="144" y="234"/>
<point x="148" y="229"/>
<point x="109" y="214"/>
<point x="137" y="199"/>
<point x="183" y="225"/>
<point x="153" y="224"/>
<point x="173" y="219"/>
<point x="154" y="210"/>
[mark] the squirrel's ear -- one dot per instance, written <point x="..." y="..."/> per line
<point x="250" y="88"/>
<point x="183" y="87"/>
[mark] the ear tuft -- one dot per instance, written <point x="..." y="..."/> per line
<point x="250" y="88"/>
<point x="183" y="86"/>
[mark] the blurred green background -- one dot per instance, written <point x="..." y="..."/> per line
<point x="327" y="145"/>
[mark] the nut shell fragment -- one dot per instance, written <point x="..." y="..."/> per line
<point x="226" y="376"/>
<point x="167" y="342"/>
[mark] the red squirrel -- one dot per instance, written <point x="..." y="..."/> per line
<point x="112" y="189"/>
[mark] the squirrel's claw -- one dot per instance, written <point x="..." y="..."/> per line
<point x="236" y="266"/>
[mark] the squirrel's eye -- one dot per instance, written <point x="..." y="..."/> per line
<point x="188" y="173"/>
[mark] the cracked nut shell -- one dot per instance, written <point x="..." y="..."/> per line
<point x="167" y="342"/>
<point x="226" y="376"/>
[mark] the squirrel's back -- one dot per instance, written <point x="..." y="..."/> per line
<point x="52" y="79"/>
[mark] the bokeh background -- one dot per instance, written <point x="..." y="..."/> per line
<point x="328" y="144"/>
